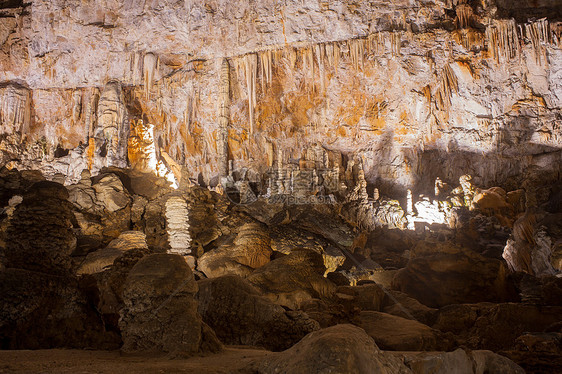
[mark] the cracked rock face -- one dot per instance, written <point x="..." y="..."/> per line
<point x="415" y="89"/>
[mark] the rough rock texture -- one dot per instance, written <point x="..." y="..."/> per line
<point x="418" y="89"/>
<point x="452" y="275"/>
<point x="460" y="361"/>
<point x="337" y="349"/>
<point x="40" y="236"/>
<point x="494" y="326"/>
<point x="250" y="250"/>
<point x="399" y="334"/>
<point x="39" y="310"/>
<point x="292" y="279"/>
<point x="160" y="312"/>
<point x="98" y="260"/>
<point x="239" y="314"/>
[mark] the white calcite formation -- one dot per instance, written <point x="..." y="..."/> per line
<point x="416" y="89"/>
<point x="177" y="225"/>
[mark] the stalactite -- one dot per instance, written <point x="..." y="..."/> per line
<point x="250" y="68"/>
<point x="15" y="112"/>
<point x="538" y="33"/>
<point x="503" y="40"/>
<point x="224" y="109"/>
<point x="308" y="65"/>
<point x="357" y="51"/>
<point x="320" y="53"/>
<point x="266" y="59"/>
<point x="396" y="42"/>
<point x="150" y="67"/>
<point x="448" y="84"/>
<point x="464" y="15"/>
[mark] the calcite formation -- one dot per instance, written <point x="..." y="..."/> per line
<point x="425" y="90"/>
<point x="177" y="225"/>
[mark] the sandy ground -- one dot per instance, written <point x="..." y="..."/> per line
<point x="85" y="362"/>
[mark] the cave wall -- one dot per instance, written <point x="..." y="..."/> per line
<point x="418" y="89"/>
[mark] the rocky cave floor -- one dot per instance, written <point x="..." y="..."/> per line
<point x="271" y="287"/>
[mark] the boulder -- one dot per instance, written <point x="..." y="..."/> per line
<point x="99" y="260"/>
<point x="43" y="311"/>
<point x="459" y="362"/>
<point x="337" y="349"/>
<point x="40" y="236"/>
<point x="250" y="250"/>
<point x="449" y="274"/>
<point x="364" y="297"/>
<point x="494" y="326"/>
<point x="111" y="193"/>
<point x="400" y="334"/>
<point x="402" y="305"/>
<point x="160" y="311"/>
<point x="238" y="314"/>
<point x="292" y="279"/>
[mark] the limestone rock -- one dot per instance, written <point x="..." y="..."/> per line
<point x="453" y="275"/>
<point x="364" y="297"/>
<point x="459" y="361"/>
<point x="291" y="279"/>
<point x="402" y="305"/>
<point x="42" y="311"/>
<point x="238" y="314"/>
<point x="250" y="250"/>
<point x="336" y="349"/>
<point x="40" y="236"/>
<point x="160" y="312"/>
<point x="97" y="261"/>
<point x="111" y="193"/>
<point x="400" y="334"/>
<point x="177" y="224"/>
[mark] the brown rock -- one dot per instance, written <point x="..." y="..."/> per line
<point x="291" y="279"/>
<point x="160" y="312"/>
<point x="400" y="334"/>
<point x="238" y="314"/>
<point x="337" y="349"/>
<point x="452" y="275"/>
<point x="249" y="251"/>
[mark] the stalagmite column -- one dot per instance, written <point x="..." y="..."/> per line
<point x="177" y="225"/>
<point x="224" y="113"/>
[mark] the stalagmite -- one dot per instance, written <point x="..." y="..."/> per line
<point x="177" y="225"/>
<point x="224" y="113"/>
<point x="250" y="69"/>
<point x="112" y="127"/>
<point x="150" y="67"/>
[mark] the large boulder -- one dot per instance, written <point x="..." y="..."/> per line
<point x="41" y="311"/>
<point x="448" y="274"/>
<point x="458" y="362"/>
<point x="250" y="250"/>
<point x="337" y="349"/>
<point x="160" y="312"/>
<point x="40" y="236"/>
<point x="292" y="279"/>
<point x="99" y="260"/>
<point x="494" y="326"/>
<point x="400" y="334"/>
<point x="238" y="314"/>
